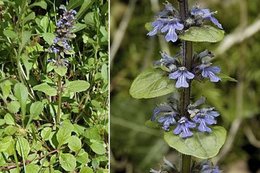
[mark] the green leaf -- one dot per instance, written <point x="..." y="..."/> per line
<point x="13" y="106"/>
<point x="151" y="83"/>
<point x="2" y="122"/>
<point x="10" y="34"/>
<point x="22" y="147"/>
<point x="25" y="38"/>
<point x="64" y="133"/>
<point x="36" y="109"/>
<point x="41" y="4"/>
<point x="79" y="27"/>
<point x="77" y="86"/>
<point x="74" y="143"/>
<point x="86" y="170"/>
<point x="82" y="157"/>
<point x="45" y="88"/>
<point x="225" y="77"/>
<point x="10" y="130"/>
<point x="67" y="161"/>
<point x="48" y="37"/>
<point x="60" y="70"/>
<point x="32" y="168"/>
<point x="74" y="4"/>
<point x="98" y="147"/>
<point x="21" y="93"/>
<point x="202" y="34"/>
<point x="29" y="17"/>
<point x="104" y="72"/>
<point x="84" y="7"/>
<point x="45" y="133"/>
<point x="200" y="145"/>
<point x="6" y="88"/>
<point x="5" y="143"/>
<point x="9" y="119"/>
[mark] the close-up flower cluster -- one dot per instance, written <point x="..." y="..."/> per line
<point x="199" y="118"/>
<point x="168" y="21"/>
<point x="180" y="73"/>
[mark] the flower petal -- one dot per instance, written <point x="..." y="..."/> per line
<point x="216" y="22"/>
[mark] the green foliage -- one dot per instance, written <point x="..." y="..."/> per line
<point x="203" y="34"/>
<point x="151" y="83"/>
<point x="201" y="145"/>
<point x="30" y="136"/>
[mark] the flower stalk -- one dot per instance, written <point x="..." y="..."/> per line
<point x="59" y="99"/>
<point x="185" y="93"/>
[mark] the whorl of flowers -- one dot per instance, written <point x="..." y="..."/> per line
<point x="200" y="118"/>
<point x="169" y="23"/>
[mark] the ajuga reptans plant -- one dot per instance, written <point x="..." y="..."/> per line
<point x="190" y="125"/>
<point x="47" y="85"/>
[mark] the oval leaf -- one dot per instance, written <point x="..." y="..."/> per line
<point x="64" y="132"/>
<point x="67" y="161"/>
<point x="21" y="93"/>
<point x="202" y="34"/>
<point x="22" y="147"/>
<point x="45" y="88"/>
<point x="98" y="147"/>
<point x="74" y="143"/>
<point x="36" y="109"/>
<point x="201" y="145"/>
<point x="151" y="83"/>
<point x="78" y="86"/>
<point x="60" y="70"/>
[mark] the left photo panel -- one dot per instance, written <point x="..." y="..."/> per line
<point x="54" y="86"/>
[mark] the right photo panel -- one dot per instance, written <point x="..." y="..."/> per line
<point x="184" y="86"/>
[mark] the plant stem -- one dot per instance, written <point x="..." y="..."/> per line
<point x="59" y="100"/>
<point x="185" y="93"/>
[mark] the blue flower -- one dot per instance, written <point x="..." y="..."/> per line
<point x="210" y="72"/>
<point x="167" y="22"/>
<point x="183" y="128"/>
<point x="205" y="14"/>
<point x="170" y="28"/>
<point x="208" y="168"/>
<point x="167" y="121"/>
<point x="157" y="26"/>
<point x="182" y="75"/>
<point x="167" y="61"/>
<point x="167" y="116"/>
<point x="205" y="117"/>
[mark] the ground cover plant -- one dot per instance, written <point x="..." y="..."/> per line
<point x="54" y="86"/>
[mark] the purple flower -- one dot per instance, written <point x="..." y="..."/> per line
<point x="170" y="28"/>
<point x="166" y="61"/>
<point x="167" y="22"/>
<point x="167" y="121"/>
<point x="205" y="14"/>
<point x="210" y="72"/>
<point x="167" y="116"/>
<point x="183" y="128"/>
<point x="205" y="117"/>
<point x="157" y="26"/>
<point x="208" y="168"/>
<point x="182" y="75"/>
